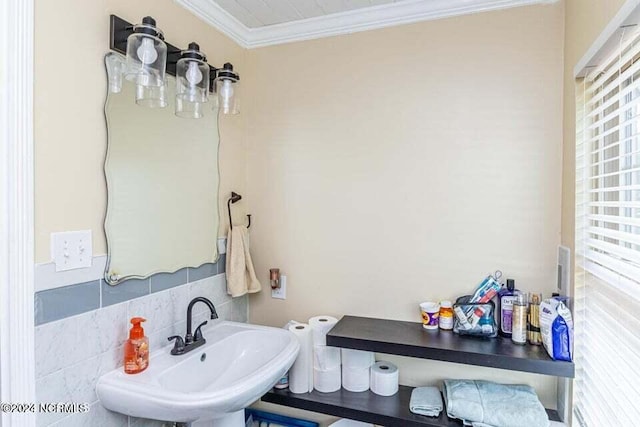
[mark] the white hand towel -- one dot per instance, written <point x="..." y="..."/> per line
<point x="241" y="276"/>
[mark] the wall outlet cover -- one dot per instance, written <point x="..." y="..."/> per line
<point x="71" y="250"/>
<point x="281" y="292"/>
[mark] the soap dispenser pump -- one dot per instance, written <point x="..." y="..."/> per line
<point x="136" y="349"/>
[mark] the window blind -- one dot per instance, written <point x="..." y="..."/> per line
<point x="607" y="293"/>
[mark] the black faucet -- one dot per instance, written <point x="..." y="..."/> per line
<point x="195" y="340"/>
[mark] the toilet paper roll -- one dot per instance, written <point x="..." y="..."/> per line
<point x="301" y="373"/>
<point x="384" y="378"/>
<point x="325" y="358"/>
<point x="320" y="325"/>
<point x="355" y="379"/>
<point x="327" y="381"/>
<point x="357" y="359"/>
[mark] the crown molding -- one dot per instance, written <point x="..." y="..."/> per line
<point x="210" y="12"/>
<point x="628" y="16"/>
<point x="352" y="21"/>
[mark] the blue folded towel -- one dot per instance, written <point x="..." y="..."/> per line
<point x="426" y="401"/>
<point x="483" y="403"/>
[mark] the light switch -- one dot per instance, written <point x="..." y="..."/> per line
<point x="71" y="249"/>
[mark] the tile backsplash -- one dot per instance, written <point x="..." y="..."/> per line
<point x="54" y="303"/>
<point x="81" y="329"/>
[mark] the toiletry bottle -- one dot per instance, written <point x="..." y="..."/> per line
<point x="136" y="349"/>
<point x="519" y="320"/>
<point x="533" y="325"/>
<point x="505" y="300"/>
<point x="445" y="319"/>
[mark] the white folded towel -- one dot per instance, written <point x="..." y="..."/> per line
<point x="241" y="276"/>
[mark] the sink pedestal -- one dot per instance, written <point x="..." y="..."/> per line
<point x="234" y="419"/>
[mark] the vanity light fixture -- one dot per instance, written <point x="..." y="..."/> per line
<point x="227" y="85"/>
<point x="152" y="96"/>
<point x="149" y="57"/>
<point x="192" y="82"/>
<point x="146" y="54"/>
<point x="115" y="69"/>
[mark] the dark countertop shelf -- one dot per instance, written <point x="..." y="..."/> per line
<point x="392" y="411"/>
<point x="411" y="339"/>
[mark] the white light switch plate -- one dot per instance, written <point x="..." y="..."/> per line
<point x="71" y="249"/>
<point x="281" y="292"/>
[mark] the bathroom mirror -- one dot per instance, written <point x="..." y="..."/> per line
<point x="162" y="181"/>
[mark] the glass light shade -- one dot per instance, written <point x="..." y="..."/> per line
<point x="228" y="100"/>
<point x="151" y="96"/>
<point x="146" y="55"/>
<point x="115" y="69"/>
<point x="192" y="80"/>
<point x="189" y="110"/>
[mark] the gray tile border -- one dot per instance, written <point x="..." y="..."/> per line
<point x="62" y="302"/>
<point x="202" y="272"/>
<point x="124" y="291"/>
<point x="222" y="263"/>
<point x="162" y="281"/>
<point x="58" y="303"/>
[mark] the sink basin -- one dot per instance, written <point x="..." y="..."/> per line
<point x="209" y="386"/>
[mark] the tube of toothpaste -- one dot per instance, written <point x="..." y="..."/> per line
<point x="485" y="292"/>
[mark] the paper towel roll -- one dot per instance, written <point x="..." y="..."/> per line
<point x="325" y="358"/>
<point x="357" y="359"/>
<point x="301" y="373"/>
<point x="384" y="378"/>
<point x="327" y="381"/>
<point x="355" y="379"/>
<point x="320" y="325"/>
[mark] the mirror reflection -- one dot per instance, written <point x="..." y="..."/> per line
<point x="162" y="178"/>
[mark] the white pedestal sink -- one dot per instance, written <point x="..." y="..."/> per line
<point x="209" y="386"/>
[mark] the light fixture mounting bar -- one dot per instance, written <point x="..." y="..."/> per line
<point x="120" y="29"/>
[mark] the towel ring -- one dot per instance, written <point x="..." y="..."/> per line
<point x="235" y="197"/>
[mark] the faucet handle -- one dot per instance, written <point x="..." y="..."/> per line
<point x="178" y="347"/>
<point x="197" y="336"/>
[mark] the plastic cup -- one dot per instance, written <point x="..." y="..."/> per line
<point x="430" y="312"/>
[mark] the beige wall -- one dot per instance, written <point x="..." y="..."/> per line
<point x="394" y="166"/>
<point x="384" y="168"/>
<point x="584" y="21"/>
<point x="70" y="41"/>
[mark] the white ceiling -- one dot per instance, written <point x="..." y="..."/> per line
<point x="257" y="23"/>
<point x="258" y="13"/>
